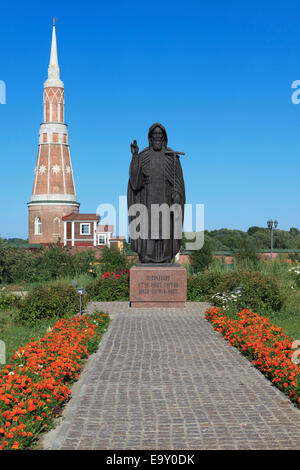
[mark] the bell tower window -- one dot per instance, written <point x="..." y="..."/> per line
<point x="38" y="226"/>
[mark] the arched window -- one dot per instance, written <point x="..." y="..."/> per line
<point x="38" y="226"/>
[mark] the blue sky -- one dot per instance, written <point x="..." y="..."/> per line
<point x="217" y="74"/>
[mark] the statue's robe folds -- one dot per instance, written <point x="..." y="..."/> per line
<point x="154" y="176"/>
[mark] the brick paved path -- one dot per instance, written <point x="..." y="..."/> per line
<point x="165" y="380"/>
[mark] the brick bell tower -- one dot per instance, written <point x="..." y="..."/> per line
<point x="53" y="194"/>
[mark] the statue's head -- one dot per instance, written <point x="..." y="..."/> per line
<point x="157" y="137"/>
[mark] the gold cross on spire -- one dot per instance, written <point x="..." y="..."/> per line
<point x="54" y="21"/>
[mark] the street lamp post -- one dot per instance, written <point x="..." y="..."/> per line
<point x="80" y="291"/>
<point x="272" y="225"/>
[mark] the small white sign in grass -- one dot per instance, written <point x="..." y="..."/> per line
<point x="2" y="352"/>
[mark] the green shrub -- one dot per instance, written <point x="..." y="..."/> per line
<point x="259" y="292"/>
<point x="108" y="290"/>
<point x="201" y="259"/>
<point x="8" y="300"/>
<point x="201" y="286"/>
<point x="52" y="300"/>
<point x="4" y="249"/>
<point x="57" y="262"/>
<point x="113" y="259"/>
<point x="247" y="254"/>
<point x="42" y="265"/>
<point x="294" y="257"/>
<point x="84" y="261"/>
<point x="22" y="265"/>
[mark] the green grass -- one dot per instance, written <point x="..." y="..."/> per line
<point x="82" y="280"/>
<point x="290" y="322"/>
<point x="278" y="268"/>
<point x="289" y="317"/>
<point x="14" y="334"/>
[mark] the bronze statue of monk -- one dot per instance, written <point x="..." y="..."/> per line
<point x="156" y="181"/>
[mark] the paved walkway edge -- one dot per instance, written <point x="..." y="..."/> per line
<point x="53" y="440"/>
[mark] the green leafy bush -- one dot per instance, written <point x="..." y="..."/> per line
<point x="52" y="300"/>
<point x="4" y="248"/>
<point x="201" y="259"/>
<point x="201" y="286"/>
<point x="109" y="289"/>
<point x="294" y="257"/>
<point x="42" y="265"/>
<point x="113" y="259"/>
<point x="57" y="262"/>
<point x="259" y="292"/>
<point x="247" y="254"/>
<point x="8" y="300"/>
<point x="21" y="265"/>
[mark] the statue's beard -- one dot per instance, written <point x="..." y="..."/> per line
<point x="157" y="145"/>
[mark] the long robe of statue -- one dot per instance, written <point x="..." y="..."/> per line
<point x="155" y="178"/>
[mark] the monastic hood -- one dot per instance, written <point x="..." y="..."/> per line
<point x="157" y="124"/>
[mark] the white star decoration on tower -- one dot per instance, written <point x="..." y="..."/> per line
<point x="68" y="169"/>
<point x="42" y="169"/>
<point x="56" y="169"/>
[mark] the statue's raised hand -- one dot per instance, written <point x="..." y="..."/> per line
<point x="134" y="148"/>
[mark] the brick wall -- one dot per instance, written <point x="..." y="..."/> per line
<point x="48" y="215"/>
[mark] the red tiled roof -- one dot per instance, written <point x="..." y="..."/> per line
<point x="86" y="217"/>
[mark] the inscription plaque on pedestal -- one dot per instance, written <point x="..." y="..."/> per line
<point x="156" y="286"/>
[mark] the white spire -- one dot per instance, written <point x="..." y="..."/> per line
<point x="53" y="55"/>
<point x="53" y="69"/>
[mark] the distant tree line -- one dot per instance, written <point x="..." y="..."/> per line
<point x="257" y="237"/>
<point x="16" y="241"/>
<point x="226" y="239"/>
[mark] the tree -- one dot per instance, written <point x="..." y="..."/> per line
<point x="282" y="239"/>
<point x="247" y="253"/>
<point x="294" y="231"/>
<point x="201" y="259"/>
<point x="252" y="230"/>
<point x="3" y="259"/>
<point x="261" y="239"/>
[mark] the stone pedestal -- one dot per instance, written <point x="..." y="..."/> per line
<point x="154" y="285"/>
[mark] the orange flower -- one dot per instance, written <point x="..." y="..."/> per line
<point x="37" y="378"/>
<point x="264" y="344"/>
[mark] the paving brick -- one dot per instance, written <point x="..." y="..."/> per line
<point x="163" y="379"/>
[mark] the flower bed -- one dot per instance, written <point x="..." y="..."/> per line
<point x="264" y="344"/>
<point x="111" y="286"/>
<point x="35" y="384"/>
